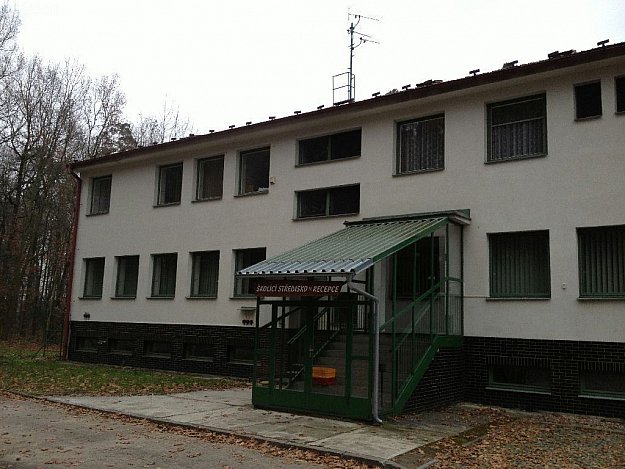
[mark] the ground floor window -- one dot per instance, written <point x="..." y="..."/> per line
<point x="608" y="384"/>
<point x="240" y="353"/>
<point x="86" y="344"/>
<point x="157" y="349"/>
<point x="121" y="346"/>
<point x="519" y="378"/>
<point x="602" y="261"/>
<point x="519" y="265"/>
<point x="199" y="351"/>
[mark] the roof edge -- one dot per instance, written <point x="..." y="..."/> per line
<point x="458" y="216"/>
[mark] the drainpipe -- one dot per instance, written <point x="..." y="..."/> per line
<point x="376" y="350"/>
<point x="72" y="258"/>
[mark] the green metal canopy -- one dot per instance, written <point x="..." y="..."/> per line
<point x="354" y="248"/>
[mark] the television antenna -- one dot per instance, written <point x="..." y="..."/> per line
<point x="356" y="39"/>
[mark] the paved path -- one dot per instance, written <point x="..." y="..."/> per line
<point x="231" y="411"/>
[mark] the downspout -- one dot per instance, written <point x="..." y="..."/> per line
<point x="72" y="258"/>
<point x="376" y="350"/>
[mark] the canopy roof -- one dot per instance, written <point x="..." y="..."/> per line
<point x="352" y="249"/>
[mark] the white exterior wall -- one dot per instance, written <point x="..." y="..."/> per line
<point x="580" y="183"/>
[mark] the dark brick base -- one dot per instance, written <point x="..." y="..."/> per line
<point x="564" y="359"/>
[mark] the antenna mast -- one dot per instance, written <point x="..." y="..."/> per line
<point x="360" y="38"/>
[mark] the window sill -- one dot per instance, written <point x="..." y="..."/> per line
<point x="601" y="298"/>
<point x="166" y="205"/>
<point x="201" y="297"/>
<point x="240" y="362"/>
<point x="134" y="297"/>
<point x="160" y="297"/>
<point x="516" y="158"/>
<point x="154" y="355"/>
<point x="89" y="297"/>
<point x="321" y="217"/>
<point x="96" y="214"/>
<point x="200" y="359"/>
<point x="315" y="163"/>
<point x="517" y="298"/>
<point x="418" y="171"/>
<point x="602" y="396"/>
<point x="208" y="199"/>
<point x="117" y="352"/>
<point x="620" y="113"/>
<point x="243" y="297"/>
<point x="518" y="390"/>
<point x="588" y="118"/>
<point x="248" y="194"/>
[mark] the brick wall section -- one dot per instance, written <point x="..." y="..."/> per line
<point x="442" y="383"/>
<point x="563" y="358"/>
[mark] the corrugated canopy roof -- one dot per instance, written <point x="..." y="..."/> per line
<point x="348" y="251"/>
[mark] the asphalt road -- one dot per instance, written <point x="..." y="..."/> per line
<point x="36" y="434"/>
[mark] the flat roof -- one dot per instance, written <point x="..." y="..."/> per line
<point x="510" y="71"/>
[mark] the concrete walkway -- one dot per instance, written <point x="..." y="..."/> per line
<point x="231" y="411"/>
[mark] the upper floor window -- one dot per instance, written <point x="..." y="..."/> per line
<point x="164" y="275"/>
<point x="519" y="265"/>
<point x="94" y="277"/>
<point x="210" y="178"/>
<point x="517" y="129"/>
<point x="340" y="200"/>
<point x="100" y="195"/>
<point x="169" y="184"/>
<point x="588" y="100"/>
<point x="127" y="275"/>
<point x="244" y="258"/>
<point x="204" y="273"/>
<point x="421" y="144"/>
<point x="602" y="262"/>
<point x="330" y="147"/>
<point x="619" y="84"/>
<point x="254" y="171"/>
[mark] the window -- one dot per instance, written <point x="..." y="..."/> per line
<point x="204" y="273"/>
<point x="199" y="352"/>
<point x="588" y="100"/>
<point x="519" y="265"/>
<point x="619" y="84"/>
<point x="94" y="277"/>
<point x="100" y="195"/>
<point x="86" y="344"/>
<point x="414" y="264"/>
<point x="244" y="258"/>
<point x="164" y="275"/>
<point x="210" y="178"/>
<point x="157" y="349"/>
<point x="331" y="201"/>
<point x="121" y="346"/>
<point x="169" y="184"/>
<point x="519" y="378"/>
<point x="254" y="171"/>
<point x="608" y="384"/>
<point x="330" y="147"/>
<point x="517" y="129"/>
<point x="127" y="274"/>
<point x="602" y="262"/>
<point x="241" y="354"/>
<point x="421" y="144"/>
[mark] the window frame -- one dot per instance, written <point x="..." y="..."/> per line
<point x="200" y="183"/>
<point x="586" y="85"/>
<point x="196" y="276"/>
<point x="161" y="187"/>
<point x="330" y="194"/>
<point x="440" y="159"/>
<point x="619" y="98"/>
<point x="149" y="345"/>
<point x="88" y="291"/>
<point x="519" y="387"/>
<point x="244" y="287"/>
<point x="582" y="258"/>
<point x="96" y="189"/>
<point x="490" y="159"/>
<point x="521" y="239"/>
<point x="331" y="144"/>
<point x="586" y="383"/>
<point x="121" y="262"/>
<point x="155" y="288"/>
<point x="243" y="155"/>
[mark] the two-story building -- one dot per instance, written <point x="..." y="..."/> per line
<point x="483" y="257"/>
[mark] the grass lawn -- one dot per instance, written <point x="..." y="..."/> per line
<point x="24" y="369"/>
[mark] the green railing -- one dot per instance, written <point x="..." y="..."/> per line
<point x="408" y="339"/>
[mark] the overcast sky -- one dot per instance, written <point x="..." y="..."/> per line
<point x="229" y="62"/>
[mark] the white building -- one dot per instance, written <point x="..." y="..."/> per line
<point x="533" y="155"/>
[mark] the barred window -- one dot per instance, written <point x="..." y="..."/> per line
<point x="601" y="261"/>
<point x="169" y="184"/>
<point x="421" y="144"/>
<point x="204" y="273"/>
<point x="517" y="128"/>
<point x="519" y="265"/>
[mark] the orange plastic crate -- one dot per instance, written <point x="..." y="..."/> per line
<point x="323" y="375"/>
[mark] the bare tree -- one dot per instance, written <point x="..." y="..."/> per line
<point x="150" y="130"/>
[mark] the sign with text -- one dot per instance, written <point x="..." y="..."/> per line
<point x="297" y="288"/>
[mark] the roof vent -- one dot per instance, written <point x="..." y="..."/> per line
<point x="510" y="64"/>
<point x="248" y="123"/>
<point x="191" y="135"/>
<point x="319" y="108"/>
<point x="173" y="139"/>
<point x="428" y="83"/>
<point x="474" y="72"/>
<point x="557" y="54"/>
<point x="211" y="131"/>
<point x="376" y="94"/>
<point x="603" y="43"/>
<point x="405" y="87"/>
<point x="231" y="126"/>
<point x="272" y="118"/>
<point x="297" y="112"/>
